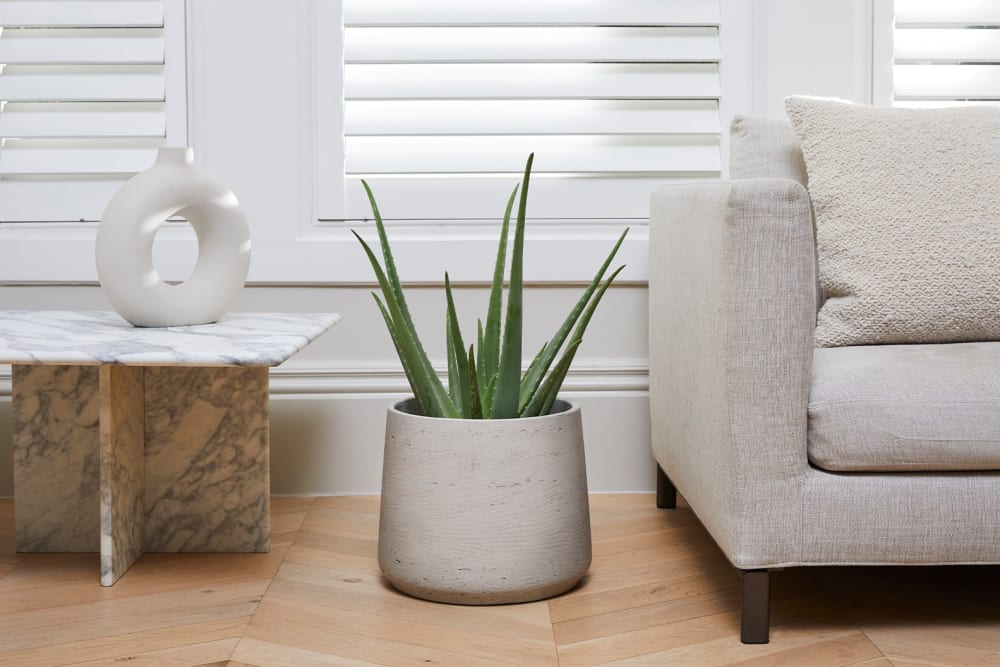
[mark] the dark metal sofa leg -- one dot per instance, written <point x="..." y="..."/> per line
<point x="755" y="616"/>
<point x="666" y="492"/>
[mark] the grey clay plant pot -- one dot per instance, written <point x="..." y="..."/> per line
<point x="484" y="511"/>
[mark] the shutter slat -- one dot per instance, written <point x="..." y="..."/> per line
<point x="415" y="155"/>
<point x="486" y="117"/>
<point x="551" y="81"/>
<point x="612" y="96"/>
<point x="81" y="87"/>
<point x="910" y="13"/>
<point x="82" y="124"/>
<point x="946" y="46"/>
<point x="529" y="12"/>
<point x="84" y="50"/>
<point x="69" y="161"/>
<point x="81" y="14"/>
<point x="484" y="198"/>
<point x="956" y="82"/>
<point x="534" y="44"/>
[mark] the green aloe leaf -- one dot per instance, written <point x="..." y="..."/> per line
<point x="581" y="326"/>
<point x="453" y="381"/>
<point x="508" y="386"/>
<point x="427" y="387"/>
<point x="533" y="377"/>
<point x="491" y="387"/>
<point x="390" y="263"/>
<point x="489" y="347"/>
<point x="474" y="401"/>
<point x="547" y="393"/>
<point x="395" y="343"/>
<point x="534" y="362"/>
<point x="481" y="376"/>
<point x="460" y="385"/>
<point x="541" y="402"/>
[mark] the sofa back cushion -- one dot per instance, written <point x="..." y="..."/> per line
<point x="765" y="148"/>
<point x="907" y="213"/>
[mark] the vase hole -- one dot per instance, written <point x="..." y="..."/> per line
<point x="175" y="250"/>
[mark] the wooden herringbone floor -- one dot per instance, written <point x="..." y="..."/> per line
<point x="659" y="593"/>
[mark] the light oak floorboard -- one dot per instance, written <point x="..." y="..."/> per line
<point x="659" y="592"/>
<point x="203" y="654"/>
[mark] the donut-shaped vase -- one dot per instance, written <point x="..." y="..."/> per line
<point x="124" y="249"/>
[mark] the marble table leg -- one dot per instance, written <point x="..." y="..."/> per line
<point x="55" y="413"/>
<point x="122" y="469"/>
<point x="207" y="468"/>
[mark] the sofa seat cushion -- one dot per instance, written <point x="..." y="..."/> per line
<point x="906" y="407"/>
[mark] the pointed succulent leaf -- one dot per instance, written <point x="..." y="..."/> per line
<point x="457" y="351"/>
<point x="422" y="376"/>
<point x="581" y="327"/>
<point x="395" y="343"/>
<point x="508" y="386"/>
<point x="473" y="399"/>
<point x="453" y="373"/>
<point x="541" y="402"/>
<point x="533" y="378"/>
<point x="534" y="362"/>
<point x="491" y="386"/>
<point x="489" y="348"/>
<point x="481" y="375"/>
<point x="548" y="393"/>
<point x="390" y="263"/>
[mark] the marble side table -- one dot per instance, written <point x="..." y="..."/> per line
<point x="129" y="440"/>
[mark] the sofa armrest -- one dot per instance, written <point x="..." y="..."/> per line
<point x="732" y="317"/>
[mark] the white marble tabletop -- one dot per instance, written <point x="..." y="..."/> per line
<point x="98" y="337"/>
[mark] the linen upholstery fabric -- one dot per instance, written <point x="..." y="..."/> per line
<point x="732" y="311"/>
<point x="906" y="407"/>
<point x="724" y="324"/>
<point x="765" y="148"/>
<point x="907" y="209"/>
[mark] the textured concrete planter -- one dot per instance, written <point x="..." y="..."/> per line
<point x="484" y="511"/>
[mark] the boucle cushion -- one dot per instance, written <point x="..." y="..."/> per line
<point x="907" y="208"/>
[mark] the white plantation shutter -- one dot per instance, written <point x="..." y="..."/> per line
<point x="946" y="53"/>
<point x="445" y="99"/>
<point x="88" y="91"/>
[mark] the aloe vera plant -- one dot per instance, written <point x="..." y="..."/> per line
<point x="487" y="384"/>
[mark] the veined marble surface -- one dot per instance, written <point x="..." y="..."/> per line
<point x="207" y="473"/>
<point x="56" y="462"/>
<point x="123" y="467"/>
<point x="101" y="337"/>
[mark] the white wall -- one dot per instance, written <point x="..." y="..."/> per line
<point x="818" y="47"/>
<point x="328" y="402"/>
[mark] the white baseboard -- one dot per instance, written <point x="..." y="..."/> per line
<point x="327" y="425"/>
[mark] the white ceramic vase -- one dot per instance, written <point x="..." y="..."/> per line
<point x="484" y="511"/>
<point x="173" y="185"/>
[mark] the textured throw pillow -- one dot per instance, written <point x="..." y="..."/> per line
<point x="907" y="208"/>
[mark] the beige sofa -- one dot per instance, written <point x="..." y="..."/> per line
<point x="791" y="455"/>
